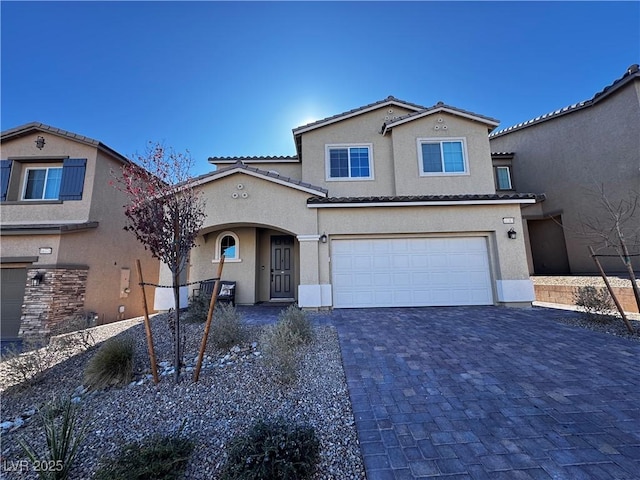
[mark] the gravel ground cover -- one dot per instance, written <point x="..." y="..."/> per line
<point x="235" y="389"/>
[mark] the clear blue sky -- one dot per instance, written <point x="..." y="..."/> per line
<point x="234" y="78"/>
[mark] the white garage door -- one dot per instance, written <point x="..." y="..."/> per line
<point x="403" y="272"/>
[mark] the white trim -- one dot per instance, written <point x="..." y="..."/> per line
<point x="217" y="256"/>
<point x="419" y="203"/>
<point x="441" y="140"/>
<point x="438" y="110"/>
<point x="345" y="116"/>
<point x="327" y="162"/>
<point x="515" y="291"/>
<point x="308" y="238"/>
<point x="215" y="176"/>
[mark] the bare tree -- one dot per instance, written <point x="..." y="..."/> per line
<point x="165" y="213"/>
<point x="615" y="227"/>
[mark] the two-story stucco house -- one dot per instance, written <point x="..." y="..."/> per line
<point x="569" y="154"/>
<point x="64" y="249"/>
<point x="389" y="204"/>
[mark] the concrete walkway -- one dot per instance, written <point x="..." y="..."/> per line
<point x="489" y="393"/>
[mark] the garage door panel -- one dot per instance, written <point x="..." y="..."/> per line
<point x="411" y="272"/>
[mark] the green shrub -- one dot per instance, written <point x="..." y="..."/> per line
<point x="160" y="457"/>
<point x="281" y="343"/>
<point x="112" y="365"/>
<point x="596" y="303"/>
<point x="198" y="308"/>
<point x="273" y="449"/>
<point x="297" y="321"/>
<point x="227" y="328"/>
<point x="63" y="435"/>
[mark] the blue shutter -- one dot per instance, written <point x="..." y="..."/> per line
<point x="5" y="172"/>
<point x="72" y="178"/>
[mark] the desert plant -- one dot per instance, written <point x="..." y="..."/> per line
<point x="25" y="365"/>
<point x="281" y="343"/>
<point x="73" y="333"/>
<point x="596" y="303"/>
<point x="64" y="432"/>
<point x="227" y="328"/>
<point x="297" y="321"/>
<point x="112" y="365"/>
<point x="275" y="449"/>
<point x="198" y="308"/>
<point x="160" y="457"/>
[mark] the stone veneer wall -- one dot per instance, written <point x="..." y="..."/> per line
<point x="59" y="296"/>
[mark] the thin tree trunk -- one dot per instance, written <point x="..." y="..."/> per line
<point x="606" y="282"/>
<point x="212" y="305"/>
<point x="176" y="296"/>
<point x="632" y="276"/>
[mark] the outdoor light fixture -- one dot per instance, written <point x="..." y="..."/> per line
<point x="40" y="142"/>
<point x="323" y="238"/>
<point x="37" y="279"/>
<point x="511" y="234"/>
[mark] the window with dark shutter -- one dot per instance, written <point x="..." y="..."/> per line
<point x="72" y="185"/>
<point x="5" y="172"/>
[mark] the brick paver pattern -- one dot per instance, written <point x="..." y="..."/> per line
<point x="489" y="393"/>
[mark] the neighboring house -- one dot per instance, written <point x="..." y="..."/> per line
<point x="64" y="249"/>
<point x="389" y="204"/>
<point x="568" y="154"/>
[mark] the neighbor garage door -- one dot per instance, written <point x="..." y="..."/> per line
<point x="410" y="272"/>
<point x="12" y="285"/>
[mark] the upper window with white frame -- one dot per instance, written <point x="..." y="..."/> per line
<point x="42" y="183"/>
<point x="442" y="157"/>
<point x="349" y="162"/>
<point x="503" y="178"/>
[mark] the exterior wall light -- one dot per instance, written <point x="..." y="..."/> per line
<point x="512" y="234"/>
<point x="37" y="279"/>
<point x="323" y="238"/>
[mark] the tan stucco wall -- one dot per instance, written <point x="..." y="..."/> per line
<point x="24" y="148"/>
<point x="569" y="156"/>
<point x="364" y="128"/>
<point x="479" y="178"/>
<point x="105" y="250"/>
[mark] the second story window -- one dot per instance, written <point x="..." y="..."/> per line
<point x="440" y="157"/>
<point x="349" y="162"/>
<point x="42" y="183"/>
<point x="503" y="178"/>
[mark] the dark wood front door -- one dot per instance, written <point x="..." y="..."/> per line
<point x="282" y="266"/>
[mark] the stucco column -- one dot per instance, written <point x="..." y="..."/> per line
<point x="310" y="293"/>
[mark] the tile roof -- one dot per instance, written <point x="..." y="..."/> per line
<point x="440" y="106"/>
<point x="428" y="198"/>
<point x="29" y="128"/>
<point x="254" y="159"/>
<point x="46" y="227"/>
<point x="370" y="106"/>
<point x="631" y="74"/>
<point x="263" y="173"/>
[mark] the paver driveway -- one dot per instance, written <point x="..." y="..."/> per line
<point x="489" y="392"/>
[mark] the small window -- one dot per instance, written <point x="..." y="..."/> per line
<point x="439" y="157"/>
<point x="503" y="178"/>
<point x="42" y="183"/>
<point x="228" y="245"/>
<point x="349" y="162"/>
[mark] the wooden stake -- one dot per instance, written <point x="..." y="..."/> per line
<point x="147" y="327"/>
<point x="606" y="282"/>
<point x="205" y="335"/>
